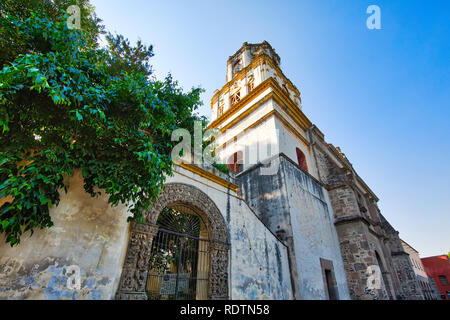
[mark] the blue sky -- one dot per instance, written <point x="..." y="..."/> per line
<point x="383" y="96"/>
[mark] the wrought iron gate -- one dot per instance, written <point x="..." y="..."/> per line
<point x="179" y="259"/>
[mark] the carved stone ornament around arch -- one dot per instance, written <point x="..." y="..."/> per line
<point x="177" y="196"/>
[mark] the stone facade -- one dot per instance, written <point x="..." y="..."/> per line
<point x="366" y="238"/>
<point x="419" y="270"/>
<point x="293" y="220"/>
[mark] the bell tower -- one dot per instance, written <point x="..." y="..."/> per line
<point x="258" y="111"/>
<point x="245" y="55"/>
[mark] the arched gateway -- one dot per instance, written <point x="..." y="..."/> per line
<point x="182" y="221"/>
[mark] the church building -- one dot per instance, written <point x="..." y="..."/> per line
<point x="290" y="220"/>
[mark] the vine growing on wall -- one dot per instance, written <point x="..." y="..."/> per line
<point x="66" y="104"/>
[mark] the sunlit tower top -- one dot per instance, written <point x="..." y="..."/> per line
<point x="257" y="106"/>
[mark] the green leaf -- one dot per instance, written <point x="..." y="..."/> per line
<point x="5" y="224"/>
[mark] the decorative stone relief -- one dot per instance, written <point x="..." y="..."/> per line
<point x="134" y="273"/>
<point x="175" y="195"/>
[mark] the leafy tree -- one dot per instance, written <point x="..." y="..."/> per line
<point x="65" y="104"/>
<point x="124" y="57"/>
<point x="13" y="43"/>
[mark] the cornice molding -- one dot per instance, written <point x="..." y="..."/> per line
<point x="253" y="125"/>
<point x="280" y="97"/>
<point x="277" y="115"/>
<point x="238" y="106"/>
<point x="399" y="253"/>
<point x="209" y="176"/>
<point x="259" y="60"/>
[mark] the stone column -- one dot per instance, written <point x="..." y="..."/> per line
<point x="218" y="288"/>
<point x="135" y="268"/>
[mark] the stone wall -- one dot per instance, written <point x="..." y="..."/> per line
<point x="419" y="270"/>
<point x="409" y="285"/>
<point x="366" y="238"/>
<point x="357" y="257"/>
<point x="360" y="240"/>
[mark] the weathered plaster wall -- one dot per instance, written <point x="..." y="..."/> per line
<point x="314" y="234"/>
<point x="296" y="208"/>
<point x="259" y="267"/>
<point x="90" y="234"/>
<point x="252" y="143"/>
<point x="266" y="195"/>
<point x="288" y="142"/>
<point x="87" y="233"/>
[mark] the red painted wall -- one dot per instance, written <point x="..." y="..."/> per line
<point x="439" y="266"/>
